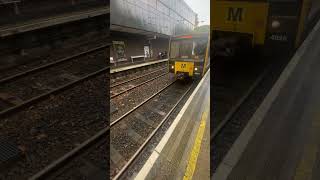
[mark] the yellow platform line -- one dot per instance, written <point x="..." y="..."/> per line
<point x="308" y="160"/>
<point x="196" y="146"/>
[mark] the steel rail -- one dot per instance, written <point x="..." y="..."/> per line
<point x="51" y="92"/>
<point x="141" y="148"/>
<point x="54" y="166"/>
<point x="115" y="95"/>
<point x="123" y="82"/>
<point x="30" y="71"/>
<point x="142" y="103"/>
<point x="237" y="106"/>
<point x="70" y="155"/>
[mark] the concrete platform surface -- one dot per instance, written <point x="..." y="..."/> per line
<point x="136" y="65"/>
<point x="282" y="139"/>
<point x="183" y="152"/>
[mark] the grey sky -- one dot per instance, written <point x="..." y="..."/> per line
<point x="202" y="8"/>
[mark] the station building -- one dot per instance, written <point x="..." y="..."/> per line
<point x="141" y="29"/>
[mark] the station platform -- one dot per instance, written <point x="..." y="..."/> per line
<point x="40" y="23"/>
<point x="282" y="139"/>
<point x="183" y="152"/>
<point x="126" y="67"/>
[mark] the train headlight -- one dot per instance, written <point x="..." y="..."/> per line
<point x="275" y="24"/>
<point x="172" y="67"/>
<point x="196" y="69"/>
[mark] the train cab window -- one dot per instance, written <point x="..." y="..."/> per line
<point x="188" y="49"/>
<point x="181" y="49"/>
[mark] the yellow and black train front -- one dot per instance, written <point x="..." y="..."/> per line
<point x="270" y="24"/>
<point x="188" y="55"/>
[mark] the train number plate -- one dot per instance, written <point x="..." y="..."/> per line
<point x="275" y="37"/>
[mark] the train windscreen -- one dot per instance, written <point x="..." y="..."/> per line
<point x="188" y="48"/>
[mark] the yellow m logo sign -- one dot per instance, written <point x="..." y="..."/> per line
<point x="235" y="14"/>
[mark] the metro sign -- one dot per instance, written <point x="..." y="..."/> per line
<point x="235" y="14"/>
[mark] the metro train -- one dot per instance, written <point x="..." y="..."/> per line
<point x="189" y="55"/>
<point x="266" y="25"/>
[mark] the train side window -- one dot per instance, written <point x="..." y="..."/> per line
<point x="200" y="47"/>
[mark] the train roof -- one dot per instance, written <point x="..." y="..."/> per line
<point x="192" y="35"/>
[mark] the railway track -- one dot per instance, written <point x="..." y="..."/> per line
<point x="68" y="165"/>
<point x="225" y="118"/>
<point x="73" y="163"/>
<point x="136" y="76"/>
<point x="131" y="132"/>
<point x="53" y="56"/>
<point x="233" y="82"/>
<point x="55" y="126"/>
<point x="86" y="161"/>
<point x="131" y="84"/>
<point x="28" y="87"/>
<point x="236" y="104"/>
<point x="232" y="88"/>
